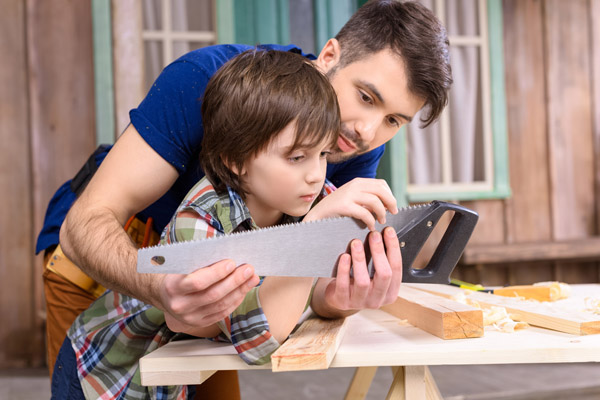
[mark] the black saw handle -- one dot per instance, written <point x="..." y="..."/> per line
<point x="413" y="236"/>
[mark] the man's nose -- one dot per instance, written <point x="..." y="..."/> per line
<point x="367" y="128"/>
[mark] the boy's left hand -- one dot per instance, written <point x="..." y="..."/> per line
<point x="344" y="295"/>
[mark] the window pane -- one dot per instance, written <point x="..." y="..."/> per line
<point x="153" y="55"/>
<point x="192" y="15"/>
<point x="182" y="47"/>
<point x="152" y="15"/>
<point x="462" y="18"/>
<point x="466" y="118"/>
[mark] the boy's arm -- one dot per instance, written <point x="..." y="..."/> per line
<point x="131" y="177"/>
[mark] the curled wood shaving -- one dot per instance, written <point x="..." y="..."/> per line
<point x="592" y="304"/>
<point x="496" y="317"/>
<point x="558" y="290"/>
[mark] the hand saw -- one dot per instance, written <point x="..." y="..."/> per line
<point x="312" y="248"/>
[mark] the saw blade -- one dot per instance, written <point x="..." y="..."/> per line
<point x="308" y="249"/>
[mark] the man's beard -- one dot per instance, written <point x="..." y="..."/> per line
<point x="361" y="147"/>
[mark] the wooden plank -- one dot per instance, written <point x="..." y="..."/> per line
<point x="20" y="339"/>
<point x="581" y="249"/>
<point x="528" y="215"/>
<point x="545" y="315"/>
<point x="408" y="384"/>
<point x="441" y="317"/>
<point x="360" y="383"/>
<point x="312" y="346"/>
<point x="128" y="52"/>
<point x="567" y="48"/>
<point x="61" y="108"/>
<point x="595" y="54"/>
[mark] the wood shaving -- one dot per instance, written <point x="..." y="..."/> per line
<point x="494" y="316"/>
<point x="558" y="290"/>
<point x="592" y="304"/>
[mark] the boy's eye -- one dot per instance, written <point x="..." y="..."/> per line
<point x="296" y="159"/>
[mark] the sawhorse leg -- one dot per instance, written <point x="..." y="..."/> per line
<point x="410" y="383"/>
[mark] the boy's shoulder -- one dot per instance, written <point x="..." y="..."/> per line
<point x="227" y="210"/>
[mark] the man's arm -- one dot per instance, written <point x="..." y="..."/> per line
<point x="132" y="177"/>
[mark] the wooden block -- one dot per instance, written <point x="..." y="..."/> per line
<point x="360" y="384"/>
<point x="441" y="317"/>
<point x="540" y="293"/>
<point x="544" y="315"/>
<point x="312" y="346"/>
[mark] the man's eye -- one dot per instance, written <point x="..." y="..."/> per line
<point x="394" y="122"/>
<point x="366" y="98"/>
<point x="325" y="153"/>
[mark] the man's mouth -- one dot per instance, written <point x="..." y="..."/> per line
<point x="345" y="145"/>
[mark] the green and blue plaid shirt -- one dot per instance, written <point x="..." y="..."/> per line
<point x="112" y="335"/>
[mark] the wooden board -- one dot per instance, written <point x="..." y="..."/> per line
<point x="20" y="338"/>
<point x="546" y="315"/>
<point x="312" y="346"/>
<point x="439" y="316"/>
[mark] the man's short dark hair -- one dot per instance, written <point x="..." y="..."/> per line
<point x="411" y="31"/>
<point x="251" y="99"/>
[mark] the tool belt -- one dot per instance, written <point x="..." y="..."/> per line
<point x="141" y="233"/>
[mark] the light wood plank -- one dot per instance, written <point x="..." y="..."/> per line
<point x="176" y="378"/>
<point x="360" y="384"/>
<point x="545" y="315"/>
<point x="441" y="317"/>
<point x="595" y="54"/>
<point x="567" y="47"/>
<point x="312" y="346"/>
<point x="19" y="330"/>
<point x="432" y="392"/>
<point x="580" y="249"/>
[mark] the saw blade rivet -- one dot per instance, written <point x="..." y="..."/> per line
<point x="429" y="224"/>
<point x="402" y="244"/>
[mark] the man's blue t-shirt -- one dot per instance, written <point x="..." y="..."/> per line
<point x="170" y="121"/>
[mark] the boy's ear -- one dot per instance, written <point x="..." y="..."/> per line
<point x="233" y="168"/>
<point x="329" y="56"/>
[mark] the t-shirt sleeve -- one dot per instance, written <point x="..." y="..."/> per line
<point x="363" y="166"/>
<point x="169" y="118"/>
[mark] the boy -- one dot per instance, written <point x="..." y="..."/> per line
<point x="264" y="167"/>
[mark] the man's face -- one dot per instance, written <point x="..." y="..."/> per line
<point x="374" y="102"/>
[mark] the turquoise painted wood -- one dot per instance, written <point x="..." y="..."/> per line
<point x="259" y="21"/>
<point x="330" y="16"/>
<point x="103" y="76"/>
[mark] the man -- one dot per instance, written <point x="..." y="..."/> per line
<point x="387" y="63"/>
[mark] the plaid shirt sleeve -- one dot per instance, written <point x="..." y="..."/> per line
<point x="246" y="327"/>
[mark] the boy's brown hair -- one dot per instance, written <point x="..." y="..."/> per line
<point x="251" y="99"/>
<point x="414" y="34"/>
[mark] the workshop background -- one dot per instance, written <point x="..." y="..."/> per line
<point x="527" y="94"/>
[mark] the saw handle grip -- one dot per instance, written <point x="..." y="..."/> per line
<point x="413" y="236"/>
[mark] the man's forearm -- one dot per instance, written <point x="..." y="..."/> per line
<point x="95" y="241"/>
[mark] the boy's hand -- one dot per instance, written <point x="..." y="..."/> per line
<point x="205" y="296"/>
<point x="344" y="295"/>
<point x="361" y="198"/>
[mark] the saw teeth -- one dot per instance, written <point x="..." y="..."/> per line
<point x="272" y="228"/>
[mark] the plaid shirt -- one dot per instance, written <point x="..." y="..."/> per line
<point x="112" y="335"/>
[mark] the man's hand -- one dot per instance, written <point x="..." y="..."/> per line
<point x="193" y="303"/>
<point x="344" y="295"/>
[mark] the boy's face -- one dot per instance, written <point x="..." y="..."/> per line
<point x="279" y="182"/>
<point x="374" y="100"/>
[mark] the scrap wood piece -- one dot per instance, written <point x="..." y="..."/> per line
<point x="312" y="346"/>
<point x="444" y="318"/>
<point x="544" y="315"/>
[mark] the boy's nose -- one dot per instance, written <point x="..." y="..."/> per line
<point x="316" y="171"/>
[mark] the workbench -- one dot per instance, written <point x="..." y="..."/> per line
<point x="375" y="338"/>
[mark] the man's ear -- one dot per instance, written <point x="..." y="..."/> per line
<point x="329" y="56"/>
